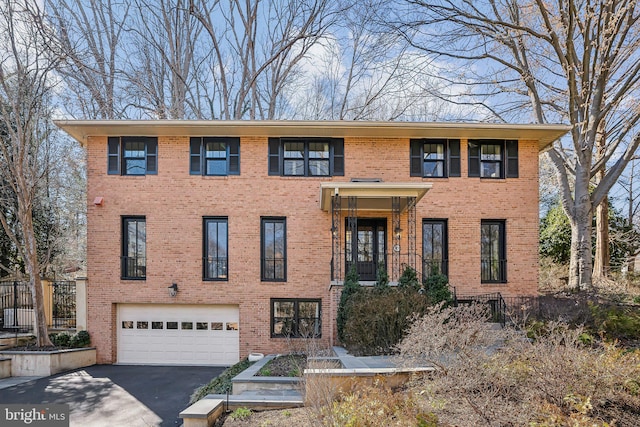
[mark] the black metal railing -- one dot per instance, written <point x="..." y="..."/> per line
<point x="16" y="305"/>
<point x="215" y="267"/>
<point x="493" y="270"/>
<point x="63" y="310"/>
<point x="133" y="267"/>
<point x="495" y="302"/>
<point x="395" y="264"/>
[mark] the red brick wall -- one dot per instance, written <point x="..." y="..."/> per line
<point x="174" y="203"/>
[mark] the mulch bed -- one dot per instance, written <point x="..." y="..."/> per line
<point x="290" y="365"/>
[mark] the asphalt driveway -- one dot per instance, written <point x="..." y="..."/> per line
<point x="115" y="395"/>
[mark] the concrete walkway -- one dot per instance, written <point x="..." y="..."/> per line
<point x="115" y="395"/>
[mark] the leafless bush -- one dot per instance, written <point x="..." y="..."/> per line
<point x="554" y="380"/>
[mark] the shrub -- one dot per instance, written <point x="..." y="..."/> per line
<point x="408" y="281"/>
<point x="80" y="339"/>
<point x="437" y="288"/>
<point x="551" y="381"/>
<point x="60" y="339"/>
<point x="378" y="321"/>
<point x="222" y="383"/>
<point x="376" y="405"/>
<point x="351" y="287"/>
<point x="382" y="280"/>
<point x="616" y="322"/>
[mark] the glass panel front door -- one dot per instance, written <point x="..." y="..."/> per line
<point x="370" y="247"/>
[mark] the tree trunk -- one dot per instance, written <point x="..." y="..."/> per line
<point x="602" y="257"/>
<point x="580" y="263"/>
<point x="32" y="267"/>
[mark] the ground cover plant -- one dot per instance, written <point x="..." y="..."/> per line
<point x="222" y="383"/>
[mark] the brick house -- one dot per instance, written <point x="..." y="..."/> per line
<point x="208" y="240"/>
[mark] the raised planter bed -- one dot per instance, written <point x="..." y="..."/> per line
<point x="248" y="380"/>
<point x="45" y="363"/>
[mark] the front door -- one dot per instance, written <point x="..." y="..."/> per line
<point x="370" y="247"/>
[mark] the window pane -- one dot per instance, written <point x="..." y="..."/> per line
<point x="232" y="326"/>
<point x="490" y="170"/>
<point x="127" y="324"/>
<point x="318" y="150"/>
<point x="135" y="166"/>
<point x="283" y="308"/>
<point x="294" y="150"/>
<point x="142" y="325"/>
<point x="157" y="325"/>
<point x="434" y="168"/>
<point x="490" y="152"/>
<point x="434" y="151"/>
<point x="216" y="166"/>
<point x="216" y="150"/>
<point x="172" y="325"/>
<point x="186" y="325"/>
<point x="319" y="167"/>
<point x="216" y="249"/>
<point x="294" y="167"/>
<point x="216" y="326"/>
<point x="202" y="326"/>
<point x="134" y="149"/>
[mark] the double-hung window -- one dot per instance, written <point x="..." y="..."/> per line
<point x="132" y="155"/>
<point x="435" y="158"/>
<point x="214" y="156"/>
<point x="493" y="158"/>
<point x="134" y="248"/>
<point x="434" y="247"/>
<point x="273" y="249"/>
<point x="493" y="262"/>
<point x="295" y="318"/>
<point x="306" y="156"/>
<point x="216" y="241"/>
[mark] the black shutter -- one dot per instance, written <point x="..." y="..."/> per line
<point x="152" y="155"/>
<point x="474" y="159"/>
<point x="512" y="159"/>
<point x="195" y="155"/>
<point x="113" y="156"/>
<point x="416" y="159"/>
<point x="454" y="157"/>
<point x="233" y="148"/>
<point x="274" y="156"/>
<point x="338" y="156"/>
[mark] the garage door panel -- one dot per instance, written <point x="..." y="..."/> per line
<point x="177" y="334"/>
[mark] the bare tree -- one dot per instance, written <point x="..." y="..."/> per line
<point x="569" y="61"/>
<point x="255" y="46"/>
<point x="90" y="33"/>
<point x="629" y="192"/>
<point x="161" y="69"/>
<point x="26" y="73"/>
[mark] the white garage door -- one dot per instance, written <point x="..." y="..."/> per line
<point x="160" y="334"/>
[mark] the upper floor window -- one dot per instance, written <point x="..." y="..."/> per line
<point x="437" y="158"/>
<point x="132" y="155"/>
<point x="273" y="250"/>
<point x="493" y="253"/>
<point x="216" y="241"/>
<point x="434" y="247"/>
<point x="493" y="158"/>
<point x="214" y="156"/>
<point x="134" y="248"/>
<point x="295" y="318"/>
<point x="306" y="156"/>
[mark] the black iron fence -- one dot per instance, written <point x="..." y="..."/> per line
<point x="496" y="303"/>
<point x="16" y="305"/>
